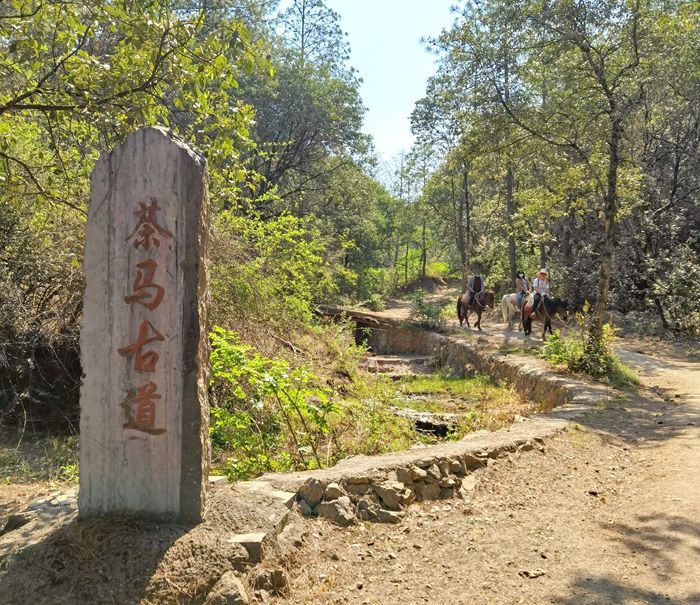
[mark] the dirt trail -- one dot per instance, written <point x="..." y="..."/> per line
<point x="607" y="513"/>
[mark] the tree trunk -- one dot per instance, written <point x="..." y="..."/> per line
<point x="423" y="252"/>
<point x="543" y="255"/>
<point x="606" y="260"/>
<point x="465" y="224"/>
<point x="510" y="212"/>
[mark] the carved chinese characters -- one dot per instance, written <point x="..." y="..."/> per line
<point x="140" y="410"/>
<point x="144" y="415"/>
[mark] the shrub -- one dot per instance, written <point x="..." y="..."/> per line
<point x="579" y="352"/>
<point x="266" y="415"/>
<point x="428" y="314"/>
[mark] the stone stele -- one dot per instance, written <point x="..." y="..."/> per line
<point x="143" y="342"/>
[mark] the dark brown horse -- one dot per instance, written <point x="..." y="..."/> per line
<point x="546" y="310"/>
<point x="480" y="302"/>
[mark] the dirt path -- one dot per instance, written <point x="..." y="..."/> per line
<point x="607" y="513"/>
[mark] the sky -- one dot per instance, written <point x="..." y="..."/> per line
<point x="384" y="37"/>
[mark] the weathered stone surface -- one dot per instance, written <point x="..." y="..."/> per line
<point x="340" y="511"/>
<point x="456" y="467"/>
<point x="526" y="447"/>
<point x="427" y="491"/>
<point x="333" y="492"/>
<point x="311" y="492"/>
<point x="388" y="516"/>
<point x="408" y="497"/>
<point x="274" y="581"/>
<point x="305" y="509"/>
<point x="447" y="482"/>
<point x="229" y="590"/>
<point x="404" y="475"/>
<point x="144" y="348"/>
<point x="417" y="473"/>
<point x="390" y="493"/>
<point x="253" y="543"/>
<point x="473" y="462"/>
<point x="434" y="472"/>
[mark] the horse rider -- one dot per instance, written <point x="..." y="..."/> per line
<point x="522" y="288"/>
<point x="475" y="284"/>
<point x="540" y="285"/>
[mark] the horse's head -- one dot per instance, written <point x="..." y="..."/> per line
<point x="489" y="298"/>
<point x="562" y="309"/>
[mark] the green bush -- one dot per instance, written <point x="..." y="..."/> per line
<point x="580" y="352"/>
<point x="266" y="415"/>
<point x="428" y="314"/>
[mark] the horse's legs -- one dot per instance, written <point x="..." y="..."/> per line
<point x="459" y="311"/>
<point x="478" y="321"/>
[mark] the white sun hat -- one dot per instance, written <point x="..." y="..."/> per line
<point x="544" y="271"/>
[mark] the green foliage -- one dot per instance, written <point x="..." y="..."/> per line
<point x="581" y="352"/>
<point x="266" y="415"/>
<point x="426" y="313"/>
<point x="267" y="272"/>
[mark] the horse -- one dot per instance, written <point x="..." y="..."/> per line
<point x="546" y="310"/>
<point x="481" y="301"/>
<point x="509" y="308"/>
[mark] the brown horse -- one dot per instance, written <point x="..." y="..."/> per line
<point x="546" y="310"/>
<point x="480" y="302"/>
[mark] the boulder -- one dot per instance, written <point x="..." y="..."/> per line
<point x="340" y="511"/>
<point x="273" y="581"/>
<point x="311" y="492"/>
<point x="229" y="590"/>
<point x="333" y="492"/>
<point x="390" y="493"/>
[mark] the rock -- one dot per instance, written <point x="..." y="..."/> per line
<point x="526" y="447"/>
<point x="388" y="516"/>
<point x="473" y="462"/>
<point x="444" y="467"/>
<point x="434" y="472"/>
<point x="340" y="511"/>
<point x="274" y="581"/>
<point x="253" y="543"/>
<point x="390" y="493"/>
<point x="427" y="491"/>
<point x="408" y="497"/>
<point x="311" y="492"/>
<point x="305" y="509"/>
<point x="333" y="492"/>
<point x="456" y="467"/>
<point x="229" y="590"/>
<point x="448" y="482"/>
<point x="368" y="510"/>
<point x="404" y="475"/>
<point x="447" y="493"/>
<point x="417" y="474"/>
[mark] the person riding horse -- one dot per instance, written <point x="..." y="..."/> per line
<point x="522" y="288"/>
<point x="475" y="284"/>
<point x="541" y="287"/>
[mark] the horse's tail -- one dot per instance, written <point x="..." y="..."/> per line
<point x="504" y="308"/>
<point x="459" y="310"/>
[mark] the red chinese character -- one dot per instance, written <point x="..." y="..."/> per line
<point x="145" y="361"/>
<point x="148" y="226"/>
<point x="140" y="409"/>
<point x="142" y="283"/>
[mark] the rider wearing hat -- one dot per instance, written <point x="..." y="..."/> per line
<point x="522" y="287"/>
<point x="475" y="284"/>
<point x="541" y="287"/>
